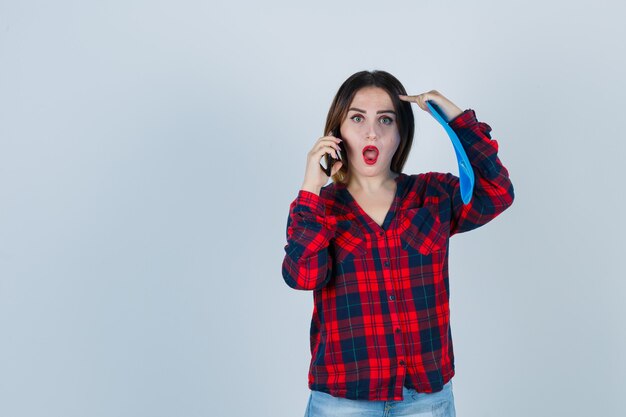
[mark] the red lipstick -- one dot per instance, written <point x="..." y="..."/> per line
<point x="370" y="154"/>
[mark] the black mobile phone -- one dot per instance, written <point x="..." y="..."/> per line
<point x="330" y="160"/>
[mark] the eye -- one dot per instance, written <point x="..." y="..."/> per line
<point x="386" y="120"/>
<point x="355" y="117"/>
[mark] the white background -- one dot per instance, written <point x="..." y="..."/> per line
<point x="149" y="151"/>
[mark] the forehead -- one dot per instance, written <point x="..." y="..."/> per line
<point x="374" y="98"/>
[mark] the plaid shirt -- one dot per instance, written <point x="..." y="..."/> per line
<point x="381" y="318"/>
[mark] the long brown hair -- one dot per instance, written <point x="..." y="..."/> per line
<point x="339" y="109"/>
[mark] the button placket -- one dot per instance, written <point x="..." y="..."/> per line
<point x="395" y="321"/>
<point x="386" y="262"/>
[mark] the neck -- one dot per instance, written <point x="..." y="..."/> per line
<point x="372" y="185"/>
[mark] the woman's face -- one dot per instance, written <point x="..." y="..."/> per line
<point x="370" y="132"/>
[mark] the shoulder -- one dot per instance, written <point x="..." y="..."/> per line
<point x="431" y="177"/>
<point x="430" y="183"/>
<point x="424" y="179"/>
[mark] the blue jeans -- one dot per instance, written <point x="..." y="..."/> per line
<point x="436" y="404"/>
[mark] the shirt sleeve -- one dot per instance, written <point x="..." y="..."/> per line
<point x="307" y="264"/>
<point x="493" y="191"/>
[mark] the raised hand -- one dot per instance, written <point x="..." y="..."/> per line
<point x="449" y="109"/>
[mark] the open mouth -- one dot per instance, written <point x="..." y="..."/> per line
<point x="370" y="154"/>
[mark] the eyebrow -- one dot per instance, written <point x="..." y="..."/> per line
<point x="378" y="112"/>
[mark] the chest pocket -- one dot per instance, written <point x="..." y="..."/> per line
<point x="349" y="242"/>
<point x="422" y="229"/>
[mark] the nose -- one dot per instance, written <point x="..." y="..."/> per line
<point x="372" y="132"/>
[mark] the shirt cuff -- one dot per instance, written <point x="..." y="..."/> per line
<point x="312" y="201"/>
<point x="467" y="122"/>
<point x="463" y="120"/>
<point x="310" y="207"/>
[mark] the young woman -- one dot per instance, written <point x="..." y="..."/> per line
<point x="373" y="247"/>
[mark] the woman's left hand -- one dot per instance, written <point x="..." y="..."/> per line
<point x="449" y="109"/>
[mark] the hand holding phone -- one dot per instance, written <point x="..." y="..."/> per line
<point x="323" y="152"/>
<point x="329" y="159"/>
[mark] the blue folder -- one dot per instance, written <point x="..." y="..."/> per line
<point x="466" y="173"/>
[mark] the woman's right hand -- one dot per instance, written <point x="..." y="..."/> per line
<point x="314" y="177"/>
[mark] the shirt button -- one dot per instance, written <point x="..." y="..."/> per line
<point x="386" y="263"/>
<point x="381" y="233"/>
<point x="397" y="330"/>
<point x="402" y="362"/>
<point x="392" y="297"/>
